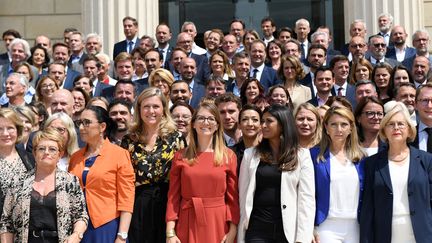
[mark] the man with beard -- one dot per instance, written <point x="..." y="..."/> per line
<point x="398" y="49"/>
<point x="120" y="111"/>
<point x="420" y="42"/>
<point x="61" y="54"/>
<point x="188" y="72"/>
<point x="340" y="67"/>
<point x="385" y="22"/>
<point x="316" y="58"/>
<point x="405" y="93"/>
<point x="93" y="44"/>
<point x="214" y="41"/>
<point x="180" y="91"/>
<point x="357" y="48"/>
<point x="163" y="36"/>
<point x="241" y="68"/>
<point x="229" y="107"/>
<point x="377" y="50"/>
<point x="420" y="70"/>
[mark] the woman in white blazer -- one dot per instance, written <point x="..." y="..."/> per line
<point x="276" y="184"/>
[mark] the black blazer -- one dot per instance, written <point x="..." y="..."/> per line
<point x="122" y="47"/>
<point x="377" y="208"/>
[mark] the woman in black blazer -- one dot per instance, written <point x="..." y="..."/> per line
<point x="397" y="196"/>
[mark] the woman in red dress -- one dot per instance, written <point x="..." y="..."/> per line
<point x="203" y="199"/>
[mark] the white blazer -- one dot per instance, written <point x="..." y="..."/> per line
<point x="297" y="196"/>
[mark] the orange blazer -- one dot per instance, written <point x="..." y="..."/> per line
<point x="110" y="182"/>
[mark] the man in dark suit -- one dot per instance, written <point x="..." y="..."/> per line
<point x="76" y="45"/>
<point x="241" y="68"/>
<point x="423" y="106"/>
<point x="188" y="71"/>
<point x="130" y="29"/>
<point x="266" y="75"/>
<point x="322" y="38"/>
<point x="61" y="54"/>
<point x="163" y="36"/>
<point x="302" y="29"/>
<point x="153" y="60"/>
<point x="8" y="36"/>
<point x="316" y="58"/>
<point x="399" y="50"/>
<point x="357" y="28"/>
<point x="420" y="42"/>
<point x="385" y="22"/>
<point x="185" y="41"/>
<point x="340" y="67"/>
<point x="377" y="51"/>
<point x="324" y="81"/>
<point x="268" y="27"/>
<point x="92" y="67"/>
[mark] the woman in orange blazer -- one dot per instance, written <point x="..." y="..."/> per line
<point x="107" y="177"/>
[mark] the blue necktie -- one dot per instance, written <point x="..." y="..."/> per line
<point x="130" y="45"/>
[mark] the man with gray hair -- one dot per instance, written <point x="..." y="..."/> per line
<point x="420" y="41"/>
<point x="190" y="28"/>
<point x="93" y="44"/>
<point x="365" y="88"/>
<point x="302" y="29"/>
<point x="16" y="86"/>
<point x="322" y="38"/>
<point x="76" y="45"/>
<point x="385" y="22"/>
<point x="377" y="51"/>
<point x="357" y="29"/>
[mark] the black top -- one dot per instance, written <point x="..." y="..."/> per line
<point x="267" y="199"/>
<point x="43" y="216"/>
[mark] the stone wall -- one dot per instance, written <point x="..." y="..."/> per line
<point x="35" y="17"/>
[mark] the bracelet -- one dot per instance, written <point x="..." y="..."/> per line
<point x="170" y="233"/>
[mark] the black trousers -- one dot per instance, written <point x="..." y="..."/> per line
<point x="264" y="232"/>
<point x="148" y="218"/>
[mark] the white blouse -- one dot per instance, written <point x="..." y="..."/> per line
<point x="344" y="189"/>
<point x="399" y="180"/>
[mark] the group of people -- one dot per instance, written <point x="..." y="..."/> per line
<point x="250" y="139"/>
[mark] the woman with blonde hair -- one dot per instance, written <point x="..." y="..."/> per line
<point x="28" y="118"/>
<point x="203" y="184"/>
<point x="65" y="126"/>
<point x="309" y="126"/>
<point x="290" y="72"/>
<point x="152" y="141"/>
<point x="220" y="66"/>
<point x="396" y="203"/>
<point x="338" y="178"/>
<point x="162" y="79"/>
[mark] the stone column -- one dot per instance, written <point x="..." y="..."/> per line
<point x="408" y="13"/>
<point x="105" y="18"/>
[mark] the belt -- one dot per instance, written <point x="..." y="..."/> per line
<point x="44" y="233"/>
<point x="198" y="204"/>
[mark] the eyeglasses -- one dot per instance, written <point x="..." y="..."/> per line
<point x="61" y="130"/>
<point x="372" y="114"/>
<point x="48" y="86"/>
<point x="378" y="45"/>
<point x="396" y="125"/>
<point x="202" y="119"/>
<point x="425" y="101"/>
<point x="51" y="150"/>
<point x="355" y="46"/>
<point x="84" y="122"/>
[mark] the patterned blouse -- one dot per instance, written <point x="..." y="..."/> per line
<point x="10" y="173"/>
<point x="153" y="167"/>
<point x="70" y="204"/>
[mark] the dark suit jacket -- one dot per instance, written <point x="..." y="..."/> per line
<point x="122" y="47"/>
<point x="99" y="88"/>
<point x="70" y="77"/>
<point x="168" y="58"/>
<point x="392" y="62"/>
<point x="140" y="85"/>
<point x="322" y="183"/>
<point x="345" y="49"/>
<point x="307" y="81"/>
<point x="268" y="78"/>
<point x="391" y="52"/>
<point x="377" y="208"/>
<point x="198" y="92"/>
<point x="349" y="95"/>
<point x="202" y="67"/>
<point x="77" y="66"/>
<point x="4" y="58"/>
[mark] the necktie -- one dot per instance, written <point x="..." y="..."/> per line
<point x="302" y="51"/>
<point x="429" y="139"/>
<point x="130" y="46"/>
<point x="340" y="91"/>
<point x="255" y="71"/>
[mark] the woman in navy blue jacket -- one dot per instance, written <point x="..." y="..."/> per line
<point x="397" y="197"/>
<point x="338" y="178"/>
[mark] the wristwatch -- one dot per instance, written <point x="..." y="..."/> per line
<point x="122" y="235"/>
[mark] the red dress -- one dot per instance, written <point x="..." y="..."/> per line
<point x="203" y="198"/>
